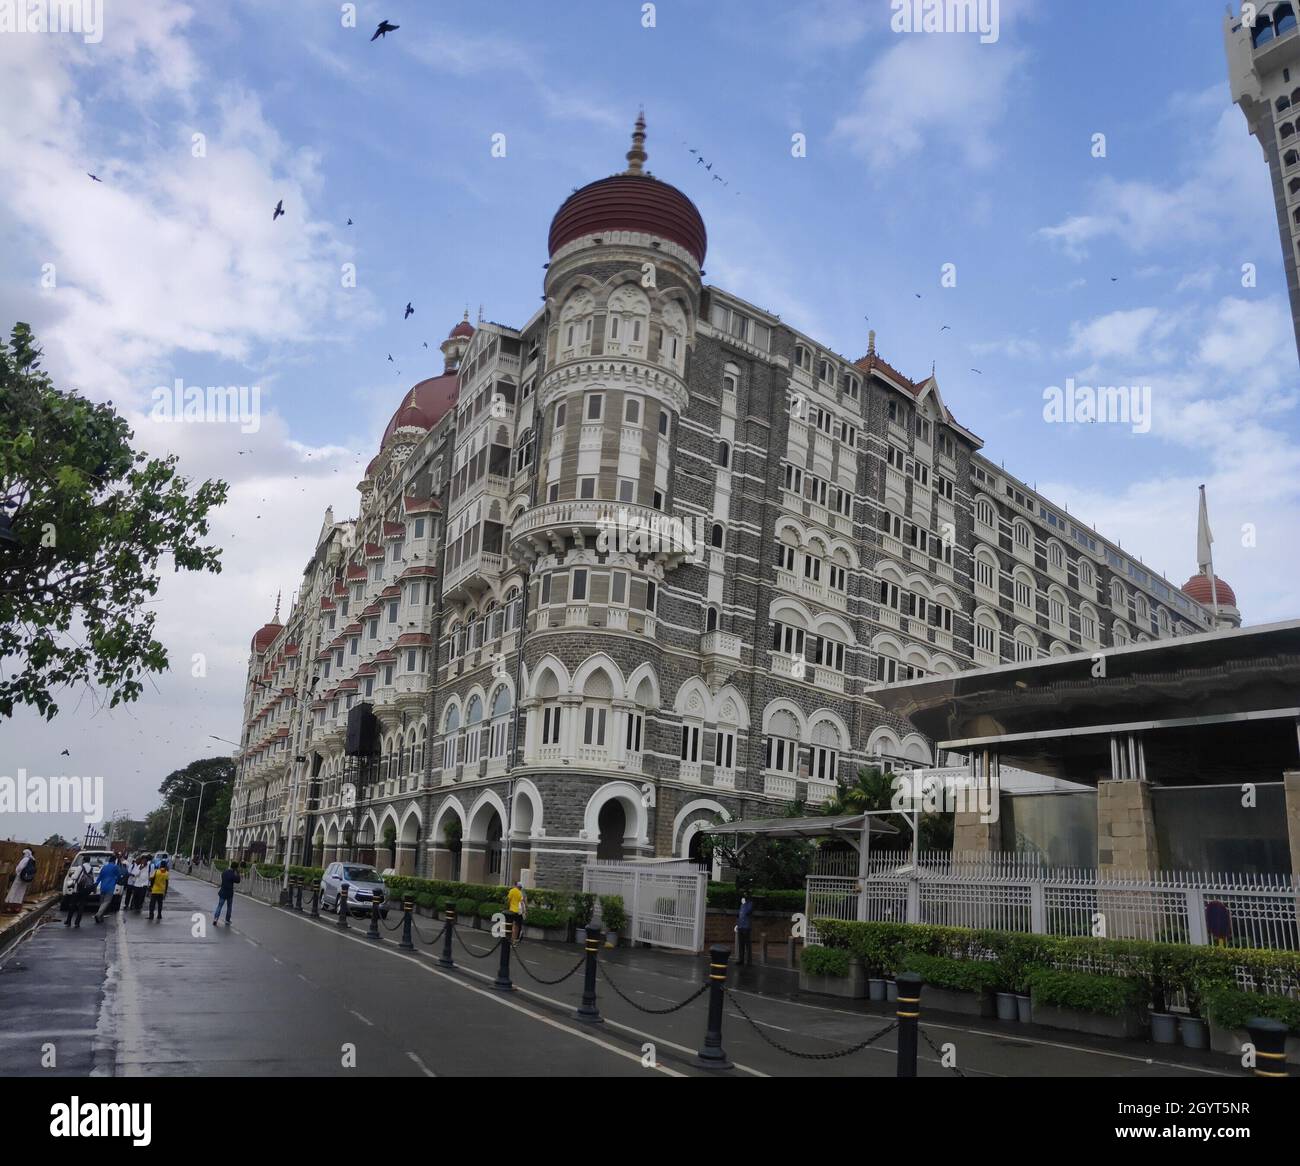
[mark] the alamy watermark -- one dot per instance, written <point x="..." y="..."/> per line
<point x="1104" y="404"/>
<point x="981" y="16"/>
<point x="946" y="793"/>
<point x="85" y="18"/>
<point x="29" y="793"/>
<point x="632" y="533"/>
<point x="220" y="403"/>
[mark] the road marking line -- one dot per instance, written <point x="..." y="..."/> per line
<point x="423" y="1067"/>
<point x="360" y="1017"/>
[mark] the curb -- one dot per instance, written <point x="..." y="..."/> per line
<point x="10" y="937"/>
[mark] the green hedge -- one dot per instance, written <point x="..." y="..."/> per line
<point x="1231" y="1008"/>
<point x="1085" y="991"/>
<point x="825" y="961"/>
<point x="487" y="909"/>
<point x="1157" y="971"/>
<point x="957" y="975"/>
<point x="545" y="917"/>
<point x="465" y="908"/>
<point x="425" y="900"/>
<point x="726" y="897"/>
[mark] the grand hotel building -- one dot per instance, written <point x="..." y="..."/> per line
<point x="545" y="690"/>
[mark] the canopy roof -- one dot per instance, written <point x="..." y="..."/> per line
<point x="804" y="827"/>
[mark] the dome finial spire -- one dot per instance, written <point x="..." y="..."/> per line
<point x="636" y="156"/>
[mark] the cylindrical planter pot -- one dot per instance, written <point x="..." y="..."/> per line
<point x="580" y="936"/>
<point x="891" y="990"/>
<point x="1007" y="1009"/>
<point x="876" y="988"/>
<point x="1164" y="1028"/>
<point x="1195" y="1034"/>
<point x="1022" y="1009"/>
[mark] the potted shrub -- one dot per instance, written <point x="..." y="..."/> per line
<point x="1087" y="1002"/>
<point x="581" y="906"/>
<point x="831" y="971"/>
<point x="963" y="986"/>
<point x="1229" y="1009"/>
<point x="1164" y="1024"/>
<point x="613" y="917"/>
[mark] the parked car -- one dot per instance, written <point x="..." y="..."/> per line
<point x="96" y="858"/>
<point x="160" y="857"/>
<point x="364" y="887"/>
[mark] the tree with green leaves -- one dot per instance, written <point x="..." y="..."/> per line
<point x="84" y="521"/>
<point x="873" y="789"/>
<point x="184" y="783"/>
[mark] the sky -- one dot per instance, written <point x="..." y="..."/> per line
<point x="1115" y="267"/>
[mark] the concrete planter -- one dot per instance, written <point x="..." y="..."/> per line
<point x="1164" y="1028"/>
<point x="1230" y="1040"/>
<point x="850" y="987"/>
<point x="891" y="991"/>
<point x="1126" y="1026"/>
<point x="953" y="1000"/>
<point x="549" y="934"/>
<point x="876" y="988"/>
<point x="1007" y="1009"/>
<point x="1194" y="1032"/>
<point x="1024" y="1009"/>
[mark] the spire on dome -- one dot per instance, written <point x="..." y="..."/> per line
<point x="276" y="616"/>
<point x="636" y="156"/>
<point x="871" y="342"/>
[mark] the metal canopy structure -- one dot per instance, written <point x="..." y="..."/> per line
<point x="1215" y="708"/>
<point x="850" y="827"/>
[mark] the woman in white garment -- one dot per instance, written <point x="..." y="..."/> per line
<point x="24" y="873"/>
<point x="138" y="882"/>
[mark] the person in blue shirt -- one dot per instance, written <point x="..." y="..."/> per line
<point x="109" y="874"/>
<point x="744" y="931"/>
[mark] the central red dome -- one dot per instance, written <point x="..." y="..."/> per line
<point x="631" y="201"/>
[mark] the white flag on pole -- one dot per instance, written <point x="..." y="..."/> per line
<point x="1204" y="558"/>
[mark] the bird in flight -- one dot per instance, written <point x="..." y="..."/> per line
<point x="349" y="222"/>
<point x="93" y="177"/>
<point x="410" y="311"/>
<point x="977" y="370"/>
<point x="279" y="210"/>
<point x="64" y="754"/>
<point x="917" y="294"/>
<point x="390" y="358"/>
<point x="384" y="29"/>
<point x="426" y="344"/>
<point x="1114" y="279"/>
<point x="946" y="328"/>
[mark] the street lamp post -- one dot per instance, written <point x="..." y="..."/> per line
<point x="197" y="817"/>
<point x="179" y="825"/>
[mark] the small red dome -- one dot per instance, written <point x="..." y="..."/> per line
<point x="1198" y="587"/>
<point x="424" y="406"/>
<point x="262" y="640"/>
<point x="630" y="202"/>
<point x="464" y="328"/>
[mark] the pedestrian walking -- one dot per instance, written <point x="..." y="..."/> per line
<point x="109" y="876"/>
<point x="744" y="931"/>
<point x="226" y="892"/>
<point x="136" y="882"/>
<point x="158" y="890"/>
<point x="83" y="884"/>
<point x="516" y="909"/>
<point x="24" y="873"/>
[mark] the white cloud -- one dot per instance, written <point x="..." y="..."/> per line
<point x="1123" y="334"/>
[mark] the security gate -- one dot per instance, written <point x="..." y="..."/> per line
<point x="664" y="901"/>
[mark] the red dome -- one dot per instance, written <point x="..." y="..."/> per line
<point x="262" y="640"/>
<point x="464" y="328"/>
<point x="1198" y="587"/>
<point x="630" y="202"/>
<point x="424" y="406"/>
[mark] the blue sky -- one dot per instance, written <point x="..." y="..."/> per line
<point x="921" y="150"/>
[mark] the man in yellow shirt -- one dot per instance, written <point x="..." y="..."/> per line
<point x="158" y="890"/>
<point x="516" y="909"/>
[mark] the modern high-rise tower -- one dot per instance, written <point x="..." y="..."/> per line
<point x="1264" y="75"/>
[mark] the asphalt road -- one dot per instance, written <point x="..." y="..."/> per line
<point x="278" y="993"/>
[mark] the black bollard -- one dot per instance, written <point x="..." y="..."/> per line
<point x="712" y="1055"/>
<point x="909" y="1021"/>
<point x="445" y="960"/>
<point x="1269" y="1038"/>
<point x="341" y="905"/>
<point x="587" y="1010"/>
<point x="502" y="982"/>
<point x="315" y="901"/>
<point x="297" y="902"/>
<point x="373" y="933"/>
<point x="408" y="908"/>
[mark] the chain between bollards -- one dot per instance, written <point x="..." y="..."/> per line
<point x="909" y="1019"/>
<point x="587" y="1010"/>
<point x="712" y="1055"/>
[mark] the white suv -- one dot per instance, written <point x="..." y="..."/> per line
<point x="96" y="858"/>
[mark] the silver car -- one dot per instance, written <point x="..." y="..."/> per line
<point x="364" y="887"/>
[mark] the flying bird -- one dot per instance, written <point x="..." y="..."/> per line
<point x="977" y="370"/>
<point x="93" y="177"/>
<point x="279" y="210"/>
<point x="64" y="754"/>
<point x="349" y="222"/>
<point x="946" y="328"/>
<point x="426" y="344"/>
<point x="1114" y="279"/>
<point x="917" y="294"/>
<point x="390" y="359"/>
<point x="384" y="29"/>
<point x="410" y="311"/>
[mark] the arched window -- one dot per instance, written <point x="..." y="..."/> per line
<point x="450" y="737"/>
<point x="724" y="450"/>
<point x="1283" y="19"/>
<point x="715" y="535"/>
<point x="1117" y="597"/>
<point x="1087" y="623"/>
<point x="1262" y="32"/>
<point x="473" y="726"/>
<point x="1056" y="556"/>
<point x="1085" y="573"/>
<point x="1023" y="535"/>
<point x="711" y="620"/>
<point x="500" y="722"/>
<point x="1120" y="633"/>
<point x="984" y="513"/>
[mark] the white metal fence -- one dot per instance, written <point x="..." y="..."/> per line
<point x="1014" y="892"/>
<point x="665" y="902"/>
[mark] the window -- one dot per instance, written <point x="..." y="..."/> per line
<point x="784" y="557"/>
<point x="1085" y="573"/>
<point x="626" y="490"/>
<point x="1056" y="607"/>
<point x="658" y="500"/>
<point x="579" y="586"/>
<point x="551" y="724"/>
<point x="715" y="535"/>
<point x="559" y="415"/>
<point x="632" y="735"/>
<point x="595" y="406"/>
<point x="651" y="594"/>
<point x="663" y="423"/>
<point x="986" y="637"/>
<point x="553" y="492"/>
<point x="724" y="454"/>
<point x="587" y="488"/>
<point x="593" y="726"/>
<point x="1023" y="535"/>
<point x="986" y="573"/>
<point x="690" y="751"/>
<point x="724" y="749"/>
<point x="1024" y="650"/>
<point x="632" y="411"/>
<point x="546" y="589"/>
<point x="711" y="619"/>
<point x="1024" y="591"/>
<point x="985" y="514"/>
<point x="825" y="763"/>
<point x="781" y="754"/>
<point x="618" y="587"/>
